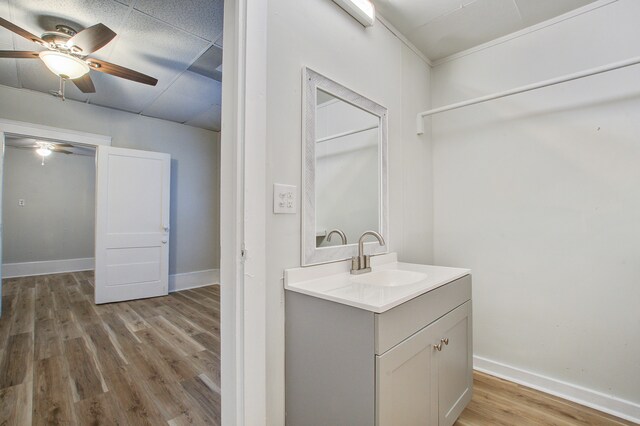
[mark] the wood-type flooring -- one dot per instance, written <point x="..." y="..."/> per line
<point x="498" y="402"/>
<point x="66" y="361"/>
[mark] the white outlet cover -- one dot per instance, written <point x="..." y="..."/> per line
<point x="285" y="199"/>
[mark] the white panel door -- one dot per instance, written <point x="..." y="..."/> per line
<point x="132" y="224"/>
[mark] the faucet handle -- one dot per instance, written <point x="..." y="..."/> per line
<point x="367" y="261"/>
<point x="355" y="263"/>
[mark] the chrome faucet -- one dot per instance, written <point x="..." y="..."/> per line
<point x="343" y="237"/>
<point x="362" y="263"/>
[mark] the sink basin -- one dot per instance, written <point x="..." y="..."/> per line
<point x="389" y="278"/>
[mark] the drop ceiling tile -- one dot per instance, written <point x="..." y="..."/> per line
<point x="207" y="64"/>
<point x="186" y="98"/>
<point x="220" y="41"/>
<point x="122" y="94"/>
<point x="208" y="119"/>
<point x="537" y="11"/>
<point x="467" y="27"/>
<point x="38" y="16"/>
<point x="8" y="69"/>
<point x="411" y="14"/>
<point x="200" y="17"/>
<point x="150" y="47"/>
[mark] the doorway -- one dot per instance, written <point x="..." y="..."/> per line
<point x="131" y="195"/>
<point x="48" y="207"/>
<point x="150" y="360"/>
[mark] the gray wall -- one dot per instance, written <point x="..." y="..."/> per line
<point x="195" y="164"/>
<point x="57" y="220"/>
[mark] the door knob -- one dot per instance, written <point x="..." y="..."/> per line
<point x="164" y="241"/>
<point x="166" y="229"/>
<point x="445" y="340"/>
<point x="438" y="346"/>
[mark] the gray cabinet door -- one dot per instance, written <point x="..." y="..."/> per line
<point x="454" y="364"/>
<point x="418" y="384"/>
<point x="406" y="385"/>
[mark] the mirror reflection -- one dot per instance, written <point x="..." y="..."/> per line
<point x="347" y="171"/>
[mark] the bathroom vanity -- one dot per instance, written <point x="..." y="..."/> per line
<point x="390" y="347"/>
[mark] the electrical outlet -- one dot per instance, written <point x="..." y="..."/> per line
<point x="21" y="202"/>
<point x="285" y="199"/>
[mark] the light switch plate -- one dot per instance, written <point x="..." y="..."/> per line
<point x="285" y="199"/>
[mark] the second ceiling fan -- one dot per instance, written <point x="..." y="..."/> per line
<point x="67" y="55"/>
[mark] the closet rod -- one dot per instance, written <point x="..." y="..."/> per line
<point x="350" y="132"/>
<point x="528" y="88"/>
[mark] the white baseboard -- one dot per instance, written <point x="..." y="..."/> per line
<point x="195" y="279"/>
<point x="597" y="400"/>
<point x="27" y="269"/>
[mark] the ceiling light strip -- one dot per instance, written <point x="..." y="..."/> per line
<point x="362" y="10"/>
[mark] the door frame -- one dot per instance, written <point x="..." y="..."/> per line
<point x="30" y="130"/>
<point x="243" y="212"/>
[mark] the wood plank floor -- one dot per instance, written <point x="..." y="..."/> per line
<point x="497" y="402"/>
<point x="66" y="361"/>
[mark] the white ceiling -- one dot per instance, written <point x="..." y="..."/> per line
<point x="440" y="28"/>
<point x="179" y="42"/>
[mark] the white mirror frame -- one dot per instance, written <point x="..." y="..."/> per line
<point x="312" y="255"/>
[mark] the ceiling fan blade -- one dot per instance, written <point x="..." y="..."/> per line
<point x="85" y="84"/>
<point x="92" y="38"/>
<point x="62" y="151"/>
<point x="64" y="145"/>
<point x="122" y="72"/>
<point x="18" y="54"/>
<point x="20" y="31"/>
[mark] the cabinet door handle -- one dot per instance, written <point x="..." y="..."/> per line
<point x="438" y="346"/>
<point x="445" y="340"/>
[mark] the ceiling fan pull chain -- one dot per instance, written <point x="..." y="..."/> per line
<point x="61" y="90"/>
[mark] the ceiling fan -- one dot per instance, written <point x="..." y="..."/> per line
<point x="67" y="55"/>
<point x="44" y="149"/>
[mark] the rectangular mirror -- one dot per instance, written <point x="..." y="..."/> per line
<point x="345" y="170"/>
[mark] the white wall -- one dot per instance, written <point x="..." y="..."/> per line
<point x="539" y="194"/>
<point x="374" y="63"/>
<point x="57" y="219"/>
<point x="347" y="172"/>
<point x="195" y="165"/>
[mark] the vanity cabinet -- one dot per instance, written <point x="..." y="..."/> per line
<point x="426" y="379"/>
<point x="410" y="365"/>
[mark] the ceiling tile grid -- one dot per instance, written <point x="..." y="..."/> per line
<point x="200" y="17"/>
<point x="209" y="119"/>
<point x="143" y="46"/>
<point x="182" y="100"/>
<point x="458" y="29"/>
<point x="38" y="16"/>
<point x="160" y="38"/>
<point x="441" y="28"/>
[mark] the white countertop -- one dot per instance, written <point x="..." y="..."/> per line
<point x="334" y="282"/>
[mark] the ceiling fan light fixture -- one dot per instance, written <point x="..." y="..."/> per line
<point x="64" y="65"/>
<point x="43" y="151"/>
